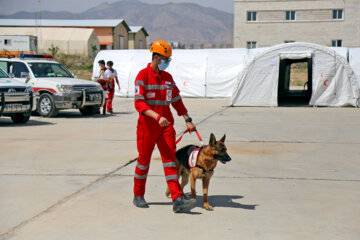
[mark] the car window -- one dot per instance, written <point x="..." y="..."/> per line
<point x="44" y="69"/>
<point x="18" y="68"/>
<point x="4" y="66"/>
<point x="3" y="74"/>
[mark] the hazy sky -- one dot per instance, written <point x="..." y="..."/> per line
<point x="12" y="6"/>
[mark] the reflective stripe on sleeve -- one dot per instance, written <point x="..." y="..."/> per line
<point x="142" y="167"/>
<point x="171" y="177"/>
<point x="175" y="99"/>
<point x="158" y="87"/>
<point x="158" y="102"/>
<point x="169" y="164"/>
<point x="140" y="177"/>
<point x="139" y="82"/>
<point x="139" y="97"/>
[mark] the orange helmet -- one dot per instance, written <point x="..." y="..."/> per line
<point x="162" y="48"/>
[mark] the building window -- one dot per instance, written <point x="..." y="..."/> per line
<point x="289" y="41"/>
<point x="336" y="43"/>
<point x="251" y="16"/>
<point x="338" y="14"/>
<point x="7" y="41"/>
<point x="250" y="45"/>
<point x="290" y="15"/>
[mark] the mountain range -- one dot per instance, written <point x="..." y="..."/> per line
<point x="186" y="23"/>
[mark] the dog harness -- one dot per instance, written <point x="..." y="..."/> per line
<point x="193" y="160"/>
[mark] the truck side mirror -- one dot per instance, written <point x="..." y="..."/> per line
<point x="74" y="75"/>
<point x="24" y="75"/>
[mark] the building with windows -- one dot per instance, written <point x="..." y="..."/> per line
<point x="111" y="33"/>
<point x="263" y="23"/>
<point x="75" y="41"/>
<point x="137" y="37"/>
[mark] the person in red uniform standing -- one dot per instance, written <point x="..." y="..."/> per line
<point x="111" y="77"/>
<point x="155" y="90"/>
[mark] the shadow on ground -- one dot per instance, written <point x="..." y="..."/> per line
<point x="4" y="122"/>
<point x="225" y="201"/>
<point x="170" y="203"/>
<point x="75" y="115"/>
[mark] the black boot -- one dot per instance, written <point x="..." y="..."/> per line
<point x="140" y="202"/>
<point x="181" y="204"/>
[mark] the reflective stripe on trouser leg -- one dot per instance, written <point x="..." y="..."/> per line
<point x="110" y="99"/>
<point x="145" y="144"/>
<point x="167" y="148"/>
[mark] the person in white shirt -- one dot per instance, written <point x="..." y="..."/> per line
<point x="103" y="81"/>
<point x="110" y="77"/>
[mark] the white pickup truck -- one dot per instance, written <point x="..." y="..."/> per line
<point x="16" y="99"/>
<point x="58" y="89"/>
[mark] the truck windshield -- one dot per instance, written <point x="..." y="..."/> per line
<point x="3" y="74"/>
<point x="47" y="69"/>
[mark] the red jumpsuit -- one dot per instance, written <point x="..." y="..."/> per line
<point x="102" y="82"/>
<point x="156" y="92"/>
<point x="111" y="89"/>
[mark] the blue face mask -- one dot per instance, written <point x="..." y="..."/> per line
<point x="163" y="65"/>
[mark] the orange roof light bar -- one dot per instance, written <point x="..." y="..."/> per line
<point x="10" y="54"/>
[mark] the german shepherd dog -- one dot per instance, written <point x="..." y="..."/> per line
<point x="207" y="160"/>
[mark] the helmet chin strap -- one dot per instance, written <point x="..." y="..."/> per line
<point x="158" y="62"/>
<point x="156" y="66"/>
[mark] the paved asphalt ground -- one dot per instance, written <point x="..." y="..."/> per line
<point x="295" y="174"/>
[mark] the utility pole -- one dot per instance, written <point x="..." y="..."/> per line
<point x="38" y="24"/>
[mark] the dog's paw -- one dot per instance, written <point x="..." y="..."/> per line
<point x="208" y="207"/>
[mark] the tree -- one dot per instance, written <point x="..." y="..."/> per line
<point x="53" y="50"/>
<point x="94" y="50"/>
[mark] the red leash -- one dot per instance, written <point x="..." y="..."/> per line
<point x="197" y="133"/>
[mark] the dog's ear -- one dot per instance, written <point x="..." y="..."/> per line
<point x="223" y="138"/>
<point x="212" y="141"/>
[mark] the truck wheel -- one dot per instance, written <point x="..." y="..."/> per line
<point x="87" y="111"/>
<point x="46" y="106"/>
<point x="20" y="118"/>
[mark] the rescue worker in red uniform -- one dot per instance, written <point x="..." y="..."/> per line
<point x="155" y="90"/>
<point x="104" y="82"/>
<point x="111" y="77"/>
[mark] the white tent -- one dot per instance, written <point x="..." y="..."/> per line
<point x="354" y="58"/>
<point x="197" y="73"/>
<point x="248" y="77"/>
<point x="333" y="81"/>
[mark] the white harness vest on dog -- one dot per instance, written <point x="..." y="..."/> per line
<point x="193" y="158"/>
